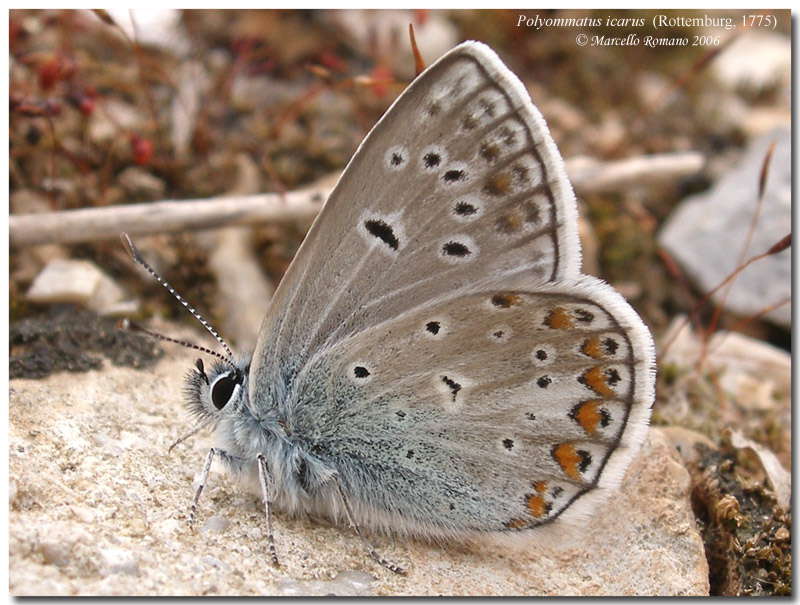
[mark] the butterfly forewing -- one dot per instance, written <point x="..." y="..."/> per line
<point x="459" y="182"/>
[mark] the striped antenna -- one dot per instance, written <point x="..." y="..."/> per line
<point x="135" y="255"/>
<point x="130" y="326"/>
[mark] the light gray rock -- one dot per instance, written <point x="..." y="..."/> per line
<point x="345" y="584"/>
<point x="755" y="60"/>
<point x="140" y="184"/>
<point x="98" y="441"/>
<point x="162" y="28"/>
<point x="116" y="116"/>
<point x="707" y="232"/>
<point x="753" y="377"/>
<point x="79" y="282"/>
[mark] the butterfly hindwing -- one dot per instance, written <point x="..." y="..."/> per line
<point x="487" y="411"/>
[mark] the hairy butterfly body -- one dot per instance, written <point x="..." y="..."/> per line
<point x="433" y="362"/>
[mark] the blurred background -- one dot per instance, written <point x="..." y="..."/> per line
<point x="123" y="107"/>
<point x="680" y="156"/>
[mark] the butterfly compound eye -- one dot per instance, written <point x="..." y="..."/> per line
<point x="222" y="390"/>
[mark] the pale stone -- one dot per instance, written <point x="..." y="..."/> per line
<point x="139" y="184"/>
<point x="75" y="281"/>
<point x="755" y="60"/>
<point x="755" y="377"/>
<point x="643" y="541"/>
<point x="218" y="524"/>
<point x="706" y="234"/>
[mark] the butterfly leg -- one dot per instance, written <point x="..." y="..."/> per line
<point x="263" y="477"/>
<point x="232" y="461"/>
<point x="203" y="478"/>
<point x="390" y="566"/>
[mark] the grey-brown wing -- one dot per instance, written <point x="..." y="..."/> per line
<point x="459" y="182"/>
<point x="499" y="410"/>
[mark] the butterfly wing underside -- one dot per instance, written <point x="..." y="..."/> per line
<point x="460" y="181"/>
<point x="498" y="410"/>
<point x="434" y="338"/>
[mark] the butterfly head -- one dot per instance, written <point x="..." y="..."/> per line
<point x="220" y="391"/>
<point x="209" y="395"/>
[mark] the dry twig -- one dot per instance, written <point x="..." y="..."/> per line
<point x="91" y="224"/>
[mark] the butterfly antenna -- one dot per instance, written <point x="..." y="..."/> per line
<point x="135" y="255"/>
<point x="130" y="326"/>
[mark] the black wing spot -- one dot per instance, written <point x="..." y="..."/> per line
<point x="612" y="376"/>
<point x="611" y="346"/>
<point x="397" y="159"/>
<point x="465" y="209"/>
<point x="433" y="327"/>
<point x="432" y="160"/>
<point x="383" y="231"/>
<point x="520" y="173"/>
<point x="454" y="386"/>
<point x="508" y="444"/>
<point x="410" y="454"/>
<point x="541" y="355"/>
<point x="456" y="249"/>
<point x="584" y="316"/>
<point x="585" y="460"/>
<point x="451" y="176"/>
<point x="544" y="382"/>
<point x="361" y="372"/>
<point x="509" y="138"/>
<point x="469" y="122"/>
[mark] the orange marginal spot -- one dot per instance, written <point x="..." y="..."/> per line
<point x="569" y="459"/>
<point x="595" y="379"/>
<point x="510" y="223"/>
<point x="540" y="486"/>
<point x="505" y="300"/>
<point x="516" y="524"/>
<point x="536" y="505"/>
<point x="498" y="184"/>
<point x="588" y="414"/>
<point x="559" y="319"/>
<point x="592" y="348"/>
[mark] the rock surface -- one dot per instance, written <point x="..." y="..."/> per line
<point x="707" y="232"/>
<point x="754" y="61"/>
<point x="98" y="507"/>
<point x="731" y="382"/>
<point x="76" y="281"/>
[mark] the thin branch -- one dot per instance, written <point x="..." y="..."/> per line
<point x="92" y="224"/>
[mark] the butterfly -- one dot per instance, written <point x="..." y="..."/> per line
<point x="434" y="363"/>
